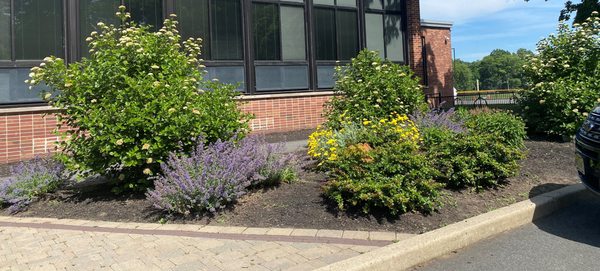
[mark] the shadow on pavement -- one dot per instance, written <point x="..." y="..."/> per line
<point x="579" y="222"/>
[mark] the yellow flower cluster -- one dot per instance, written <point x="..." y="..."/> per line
<point x="325" y="144"/>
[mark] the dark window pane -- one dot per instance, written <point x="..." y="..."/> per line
<point x="281" y="77"/>
<point x="90" y="13"/>
<point x="347" y="32"/>
<point x="293" y="42"/>
<point x="229" y="75"/>
<point x="4" y="29"/>
<point x="325" y="34"/>
<point x="374" y="27"/>
<point x="38" y="29"/>
<point x="325" y="76"/>
<point x="148" y="12"/>
<point x="395" y="5"/>
<point x="346" y="3"/>
<point x="266" y="32"/>
<point x="193" y="21"/>
<point x="226" y="32"/>
<point x="13" y="88"/>
<point x="394" y="38"/>
<point x="373" y="4"/>
<point x="324" y="2"/>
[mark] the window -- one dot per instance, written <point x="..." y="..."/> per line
<point x="38" y="27"/>
<point x="279" y="42"/>
<point x="35" y="29"/>
<point x="90" y="13"/>
<point x="384" y="28"/>
<point x="336" y="36"/>
<point x="148" y="12"/>
<point x="217" y="22"/>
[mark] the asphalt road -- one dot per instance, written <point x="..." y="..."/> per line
<point x="567" y="240"/>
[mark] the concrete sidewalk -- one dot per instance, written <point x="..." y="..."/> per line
<point x="63" y="244"/>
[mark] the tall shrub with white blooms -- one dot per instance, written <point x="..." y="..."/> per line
<point x="139" y="96"/>
<point x="564" y="79"/>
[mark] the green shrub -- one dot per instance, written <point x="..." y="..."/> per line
<point x="376" y="164"/>
<point x="371" y="88"/>
<point x="564" y="79"/>
<point x="470" y="159"/>
<point x="483" y="156"/>
<point x="506" y="127"/>
<point x="139" y="96"/>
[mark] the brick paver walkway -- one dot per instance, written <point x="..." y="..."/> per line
<point x="52" y="244"/>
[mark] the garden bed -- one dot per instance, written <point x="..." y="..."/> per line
<point x="549" y="166"/>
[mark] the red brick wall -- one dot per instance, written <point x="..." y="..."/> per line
<point x="415" y="48"/>
<point x="438" y="43"/>
<point x="26" y="134"/>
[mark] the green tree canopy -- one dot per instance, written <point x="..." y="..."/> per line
<point x="582" y="10"/>
<point x="499" y="70"/>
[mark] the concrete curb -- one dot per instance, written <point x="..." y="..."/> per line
<point x="428" y="246"/>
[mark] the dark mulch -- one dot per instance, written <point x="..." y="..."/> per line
<point x="549" y="166"/>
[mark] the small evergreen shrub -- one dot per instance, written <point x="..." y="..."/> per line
<point x="215" y="175"/>
<point x="506" y="127"/>
<point x="30" y="180"/>
<point x="139" y="96"/>
<point x="371" y="88"/>
<point x="564" y="79"/>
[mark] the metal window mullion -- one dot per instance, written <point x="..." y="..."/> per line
<point x="13" y="51"/>
<point x="247" y="7"/>
<point x="210" y="31"/>
<point x="280" y="58"/>
<point x="310" y="45"/>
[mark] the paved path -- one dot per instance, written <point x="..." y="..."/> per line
<point x="568" y="240"/>
<point x="53" y="244"/>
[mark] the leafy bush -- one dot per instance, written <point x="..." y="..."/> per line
<point x="30" y="180"/>
<point x="506" y="127"/>
<point x="564" y="79"/>
<point x="483" y="156"/>
<point x="371" y="88"/>
<point x="471" y="160"/>
<point x="216" y="174"/>
<point x="375" y="164"/>
<point x="137" y="97"/>
<point x="438" y="118"/>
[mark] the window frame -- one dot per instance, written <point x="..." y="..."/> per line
<point x="72" y="40"/>
<point x="13" y="63"/>
<point x="404" y="27"/>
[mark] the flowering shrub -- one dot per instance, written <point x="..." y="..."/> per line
<point x="371" y="88"/>
<point x="325" y="143"/>
<point x="375" y="164"/>
<point x="137" y="97"/>
<point x="29" y="180"/>
<point x="438" y="118"/>
<point x="215" y="175"/>
<point x="564" y="79"/>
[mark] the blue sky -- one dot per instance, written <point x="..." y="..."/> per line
<point x="481" y="26"/>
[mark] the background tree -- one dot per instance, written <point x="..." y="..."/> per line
<point x="582" y="10"/>
<point x="463" y="75"/>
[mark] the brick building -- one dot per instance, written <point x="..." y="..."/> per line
<point x="286" y="73"/>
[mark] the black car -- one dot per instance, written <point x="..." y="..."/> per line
<point x="587" y="144"/>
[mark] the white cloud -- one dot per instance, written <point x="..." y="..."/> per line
<point x="459" y="11"/>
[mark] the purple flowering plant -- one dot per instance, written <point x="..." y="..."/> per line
<point x="29" y="180"/>
<point x="214" y="175"/>
<point x="439" y="118"/>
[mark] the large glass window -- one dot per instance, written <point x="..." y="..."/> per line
<point x="90" y="13"/>
<point x="38" y="29"/>
<point x="384" y="28"/>
<point x="13" y="88"/>
<point x="279" y="39"/>
<point x="5" y="46"/>
<point x="217" y="22"/>
<point x="148" y="12"/>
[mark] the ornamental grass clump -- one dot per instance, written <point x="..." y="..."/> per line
<point x="29" y="180"/>
<point x="138" y="96"/>
<point x="215" y="175"/>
